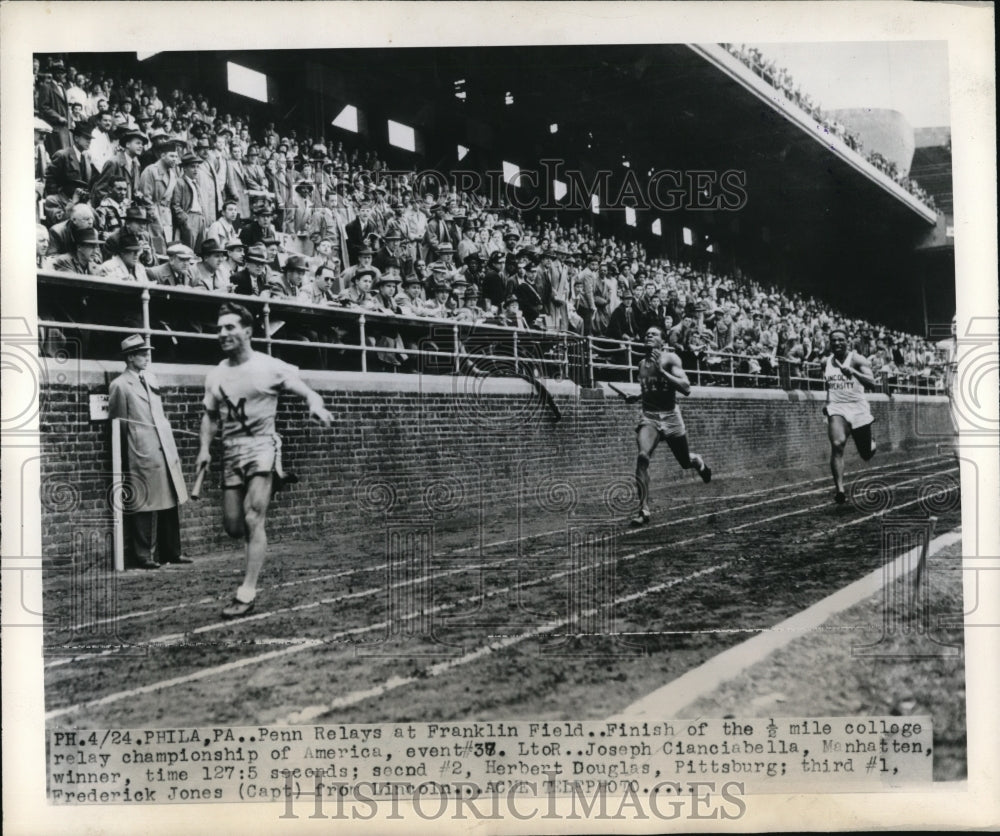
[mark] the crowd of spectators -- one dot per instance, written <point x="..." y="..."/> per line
<point x="132" y="186"/>
<point x="782" y="80"/>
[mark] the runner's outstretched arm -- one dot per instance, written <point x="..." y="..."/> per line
<point x="298" y="386"/>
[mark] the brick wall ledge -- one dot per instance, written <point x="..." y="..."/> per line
<point x="96" y="372"/>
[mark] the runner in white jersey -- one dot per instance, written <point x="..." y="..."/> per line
<point x="242" y="393"/>
<point x="847" y="375"/>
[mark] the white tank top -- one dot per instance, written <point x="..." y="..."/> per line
<point x="841" y="388"/>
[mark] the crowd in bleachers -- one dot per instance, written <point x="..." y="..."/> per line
<point x="782" y="80"/>
<point x="135" y="186"/>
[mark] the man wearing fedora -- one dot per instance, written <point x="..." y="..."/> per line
<point x="71" y="167"/>
<point x="157" y="183"/>
<point x="188" y="203"/>
<point x="151" y="466"/>
<point x="53" y="106"/>
<point x="123" y="163"/>
<point x="136" y="225"/>
<point x="236" y="256"/>
<point x="206" y="274"/>
<point x="252" y="278"/>
<point x="83" y="254"/>
<point x="360" y="230"/>
<point x="125" y="265"/>
<point x="261" y="226"/>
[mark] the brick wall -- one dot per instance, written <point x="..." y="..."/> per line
<point x="442" y="445"/>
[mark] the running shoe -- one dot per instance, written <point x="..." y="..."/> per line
<point x="705" y="473"/>
<point x="237" y="608"/>
<point x="840" y="497"/>
<point x="642" y="518"/>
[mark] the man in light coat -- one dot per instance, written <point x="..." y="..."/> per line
<point x="150" y="463"/>
<point x="156" y="184"/>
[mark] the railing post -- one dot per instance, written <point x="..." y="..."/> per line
<point x="458" y="358"/>
<point x="631" y="373"/>
<point x="267" y="326"/>
<point x="144" y="297"/>
<point x="565" y="356"/>
<point x="364" y="344"/>
<point x="590" y="362"/>
<point x="517" y="362"/>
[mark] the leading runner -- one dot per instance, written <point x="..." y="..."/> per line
<point x="241" y="393"/>
<point x="661" y="376"/>
<point x="847" y="375"/>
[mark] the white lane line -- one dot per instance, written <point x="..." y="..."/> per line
<point x="927" y="463"/>
<point x="203" y="601"/>
<point x="674" y="697"/>
<point x="381" y="567"/>
<point x="826" y="531"/>
<point x="171" y="639"/>
<point x="504" y="642"/>
<point x="181" y="680"/>
<point x="936" y="495"/>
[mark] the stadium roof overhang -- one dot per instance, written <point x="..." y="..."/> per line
<point x="667" y="106"/>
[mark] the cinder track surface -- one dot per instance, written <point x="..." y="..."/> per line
<point x="528" y="614"/>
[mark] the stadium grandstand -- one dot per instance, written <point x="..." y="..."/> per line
<point x="572" y="214"/>
<point x="462" y="250"/>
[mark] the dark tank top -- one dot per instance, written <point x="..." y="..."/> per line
<point x="657" y="393"/>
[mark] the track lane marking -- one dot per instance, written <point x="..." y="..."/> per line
<point x="472" y="655"/>
<point x="528" y="538"/>
<point x="172" y="639"/>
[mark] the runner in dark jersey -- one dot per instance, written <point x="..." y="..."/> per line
<point x="241" y="393"/>
<point x="661" y="377"/>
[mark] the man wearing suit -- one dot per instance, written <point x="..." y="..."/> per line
<point x="587" y="304"/>
<point x="53" y="106"/>
<point x="260" y="227"/>
<point x="125" y="265"/>
<point x="256" y="176"/>
<point x="72" y="166"/>
<point x="189" y="202"/>
<point x="210" y="178"/>
<point x="42" y="158"/>
<point x="237" y="185"/>
<point x="436" y="234"/>
<point x="177" y="270"/>
<point x="206" y="272"/>
<point x="124" y="163"/>
<point x="136" y="224"/>
<point x="156" y="184"/>
<point x="252" y="279"/>
<point x="61" y="236"/>
<point x="150" y="463"/>
<point x="359" y="230"/>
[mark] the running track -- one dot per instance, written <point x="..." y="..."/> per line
<point x="514" y="629"/>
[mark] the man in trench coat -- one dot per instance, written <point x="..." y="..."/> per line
<point x="152" y="519"/>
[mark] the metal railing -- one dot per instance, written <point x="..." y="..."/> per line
<point x="180" y="323"/>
